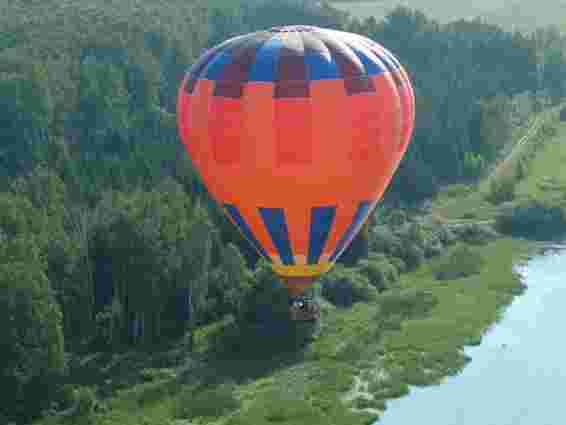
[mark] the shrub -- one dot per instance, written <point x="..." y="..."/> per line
<point x="413" y="232"/>
<point x="412" y="255"/>
<point x="397" y="217"/>
<point x="473" y="165"/>
<point x="548" y="130"/>
<point x="343" y="287"/>
<point x="379" y="271"/>
<point x="407" y="303"/>
<point x="433" y="250"/>
<point x="399" y="264"/>
<point x="502" y="190"/>
<point x="364" y="402"/>
<point x="532" y="219"/>
<point x="457" y="190"/>
<point x="463" y="261"/>
<point x="521" y="169"/>
<point x="382" y="239"/>
<point x="445" y="234"/>
<point x="475" y="233"/>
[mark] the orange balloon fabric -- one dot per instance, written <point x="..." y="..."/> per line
<point x="296" y="132"/>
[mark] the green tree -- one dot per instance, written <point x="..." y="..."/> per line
<point x="32" y="354"/>
<point x="228" y="284"/>
<point x="195" y="256"/>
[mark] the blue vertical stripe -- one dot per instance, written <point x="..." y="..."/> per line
<point x="319" y="61"/>
<point x="359" y="216"/>
<point x="321" y="222"/>
<point x="274" y="220"/>
<point x="239" y="220"/>
<point x="197" y="70"/>
<point x="265" y="66"/>
<point x="320" y="67"/>
<point x="213" y="71"/>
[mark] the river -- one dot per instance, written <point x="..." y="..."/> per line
<point x="517" y="373"/>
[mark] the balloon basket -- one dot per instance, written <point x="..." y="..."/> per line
<point x="304" y="309"/>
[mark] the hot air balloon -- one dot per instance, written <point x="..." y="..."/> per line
<point x="296" y="131"/>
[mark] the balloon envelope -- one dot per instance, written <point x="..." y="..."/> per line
<point x="296" y="132"/>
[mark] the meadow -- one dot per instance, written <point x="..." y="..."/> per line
<point x="547" y="178"/>
<point x="510" y="14"/>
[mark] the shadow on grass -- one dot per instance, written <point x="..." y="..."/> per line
<point x="248" y="352"/>
<point x="110" y="372"/>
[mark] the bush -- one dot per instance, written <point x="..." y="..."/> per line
<point x="533" y="219"/>
<point x="408" y="303"/>
<point x="457" y="190"/>
<point x="343" y="287"/>
<point x="521" y="169"/>
<point x="382" y="239"/>
<point x="432" y="245"/>
<point x="473" y="165"/>
<point x="475" y="233"/>
<point x="379" y="271"/>
<point x="433" y="250"/>
<point x="445" y="235"/>
<point x="413" y="232"/>
<point x="397" y="217"/>
<point x="462" y="262"/>
<point x="502" y="190"/>
<point x="399" y="264"/>
<point x="548" y="130"/>
<point x="364" y="402"/>
<point x="412" y="255"/>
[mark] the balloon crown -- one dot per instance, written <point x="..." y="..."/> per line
<point x="293" y="28"/>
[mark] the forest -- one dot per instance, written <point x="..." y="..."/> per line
<point x="108" y="239"/>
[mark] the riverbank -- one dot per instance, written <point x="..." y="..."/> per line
<point x="510" y="361"/>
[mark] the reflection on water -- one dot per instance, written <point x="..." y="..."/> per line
<point x="517" y="375"/>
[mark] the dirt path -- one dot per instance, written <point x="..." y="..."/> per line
<point x="539" y="120"/>
<point x="500" y="167"/>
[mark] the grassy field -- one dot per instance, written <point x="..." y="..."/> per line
<point x="547" y="175"/>
<point x="511" y="14"/>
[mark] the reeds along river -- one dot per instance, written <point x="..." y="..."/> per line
<point x="517" y="375"/>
